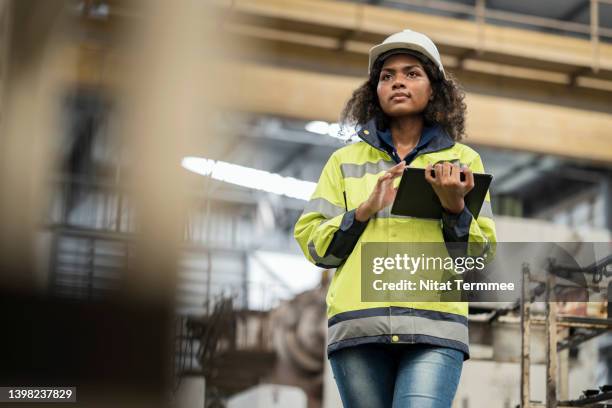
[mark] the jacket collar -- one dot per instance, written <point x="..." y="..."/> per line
<point x="440" y="141"/>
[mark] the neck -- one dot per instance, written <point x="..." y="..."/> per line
<point x="406" y="131"/>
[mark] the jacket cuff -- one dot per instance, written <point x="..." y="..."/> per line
<point x="456" y="227"/>
<point x="346" y="237"/>
<point x="351" y="225"/>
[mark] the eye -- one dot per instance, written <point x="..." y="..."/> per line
<point x="413" y="74"/>
<point x="385" y="77"/>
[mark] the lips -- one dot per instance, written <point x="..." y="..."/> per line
<point x="399" y="97"/>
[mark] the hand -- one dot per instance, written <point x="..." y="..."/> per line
<point x="383" y="194"/>
<point x="448" y="185"/>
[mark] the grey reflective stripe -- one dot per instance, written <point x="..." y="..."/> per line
<point x="362" y="327"/>
<point x="360" y="170"/>
<point x="324" y="207"/>
<point x="328" y="260"/>
<point x="486" y="210"/>
<point x="380" y="325"/>
<point x="386" y="213"/>
<point x="437" y="328"/>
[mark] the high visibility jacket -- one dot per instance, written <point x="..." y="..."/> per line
<point x="331" y="237"/>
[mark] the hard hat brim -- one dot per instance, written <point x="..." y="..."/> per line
<point x="377" y="51"/>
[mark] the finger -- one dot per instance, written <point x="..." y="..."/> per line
<point x="438" y="172"/>
<point x="397" y="174"/>
<point x="398" y="168"/>
<point x="382" y="178"/>
<point x="428" y="176"/>
<point x="469" y="178"/>
<point x="446" y="170"/>
<point x="456" y="173"/>
<point x="389" y="179"/>
<point x="388" y="182"/>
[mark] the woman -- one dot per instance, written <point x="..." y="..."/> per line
<point x="409" y="112"/>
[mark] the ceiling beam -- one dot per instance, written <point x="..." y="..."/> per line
<point x="492" y="120"/>
<point x="506" y="45"/>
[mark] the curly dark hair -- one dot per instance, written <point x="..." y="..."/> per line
<point x="446" y="109"/>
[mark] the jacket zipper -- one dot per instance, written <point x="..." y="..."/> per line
<point x="411" y="335"/>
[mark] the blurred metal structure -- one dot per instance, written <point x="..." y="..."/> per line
<point x="236" y="348"/>
<point x="556" y="382"/>
<point x="299" y="333"/>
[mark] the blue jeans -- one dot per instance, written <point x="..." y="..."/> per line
<point x="397" y="375"/>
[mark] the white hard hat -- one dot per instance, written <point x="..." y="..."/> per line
<point x="407" y="40"/>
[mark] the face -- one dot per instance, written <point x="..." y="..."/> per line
<point x="403" y="86"/>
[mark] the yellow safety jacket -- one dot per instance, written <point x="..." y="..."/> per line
<point x="331" y="237"/>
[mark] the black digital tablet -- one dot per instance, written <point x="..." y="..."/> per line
<point x="416" y="198"/>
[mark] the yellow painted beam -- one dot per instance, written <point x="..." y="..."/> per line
<point x="492" y="121"/>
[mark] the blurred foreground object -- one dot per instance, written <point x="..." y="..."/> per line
<point x="117" y="351"/>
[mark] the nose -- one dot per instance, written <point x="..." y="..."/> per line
<point x="398" y="83"/>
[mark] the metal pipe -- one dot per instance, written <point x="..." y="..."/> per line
<point x="576" y="339"/>
<point x="507" y="16"/>
<point x="563" y="367"/>
<point x="586" y="402"/>
<point x="480" y="23"/>
<point x="551" y="344"/>
<point x="525" y="338"/>
<point x="595" y="34"/>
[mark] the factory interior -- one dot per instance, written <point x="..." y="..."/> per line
<point x="156" y="156"/>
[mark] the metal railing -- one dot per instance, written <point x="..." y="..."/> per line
<point x="482" y="14"/>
